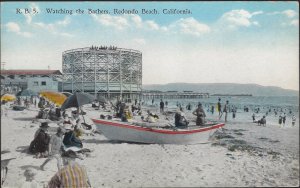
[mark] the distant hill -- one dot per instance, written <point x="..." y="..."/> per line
<point x="224" y="88"/>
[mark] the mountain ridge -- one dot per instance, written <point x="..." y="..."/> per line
<point x="224" y="88"/>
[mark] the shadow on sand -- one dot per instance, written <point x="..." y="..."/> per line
<point x="22" y="149"/>
<point x="24" y="119"/>
<point x="30" y="166"/>
<point x="95" y="141"/>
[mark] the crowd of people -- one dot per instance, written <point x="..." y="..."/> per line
<point x="58" y="146"/>
<point x="225" y="109"/>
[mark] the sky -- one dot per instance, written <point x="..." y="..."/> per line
<point x="203" y="42"/>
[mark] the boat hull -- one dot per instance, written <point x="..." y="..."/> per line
<point x="131" y="133"/>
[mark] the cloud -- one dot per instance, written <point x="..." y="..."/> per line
<point x="137" y="20"/>
<point x="295" y="22"/>
<point x="257" y="13"/>
<point x="28" y="17"/>
<point x="117" y="22"/>
<point x="51" y="27"/>
<point x="54" y="27"/>
<point x="152" y="25"/>
<point x="14" y="27"/>
<point x="64" y="22"/>
<point x="125" y="22"/>
<point x="289" y="13"/>
<point x="139" y="41"/>
<point x="189" y="26"/>
<point x="239" y="18"/>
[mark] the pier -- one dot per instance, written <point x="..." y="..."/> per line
<point x="173" y="95"/>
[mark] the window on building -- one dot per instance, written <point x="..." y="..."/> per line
<point x="43" y="83"/>
<point x="35" y="83"/>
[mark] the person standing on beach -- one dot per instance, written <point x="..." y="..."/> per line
<point x="135" y="102"/>
<point x="199" y="112"/>
<point x="162" y="106"/>
<point x="152" y="101"/>
<point x="225" y="109"/>
<point x="212" y="109"/>
<point x="219" y="106"/>
<point x="233" y="112"/>
<point x="253" y="117"/>
<point x="293" y="120"/>
<point x="283" y="119"/>
<point x="280" y="120"/>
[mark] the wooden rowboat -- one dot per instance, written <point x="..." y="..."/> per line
<point x="130" y="132"/>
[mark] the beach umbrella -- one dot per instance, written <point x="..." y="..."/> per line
<point x="8" y="97"/>
<point x="77" y="100"/>
<point x="26" y="93"/>
<point x="55" y="97"/>
<point x="67" y="93"/>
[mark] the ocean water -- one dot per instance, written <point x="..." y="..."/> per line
<point x="282" y="105"/>
<point x="288" y="102"/>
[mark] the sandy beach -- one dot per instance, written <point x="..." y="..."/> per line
<point x="242" y="154"/>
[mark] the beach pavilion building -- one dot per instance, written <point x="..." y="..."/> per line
<point x="105" y="71"/>
<point x="13" y="81"/>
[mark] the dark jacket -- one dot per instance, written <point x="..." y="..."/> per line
<point x="71" y="140"/>
<point x="40" y="143"/>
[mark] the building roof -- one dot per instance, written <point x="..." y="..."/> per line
<point x="30" y="72"/>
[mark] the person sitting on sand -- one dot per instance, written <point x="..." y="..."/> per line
<point x="262" y="121"/>
<point x="199" y="112"/>
<point x="70" y="138"/>
<point x="78" y="178"/>
<point x="40" y="143"/>
<point x="55" y="149"/>
<point x="180" y="120"/>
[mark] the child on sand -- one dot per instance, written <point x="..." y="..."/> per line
<point x="55" y="149"/>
